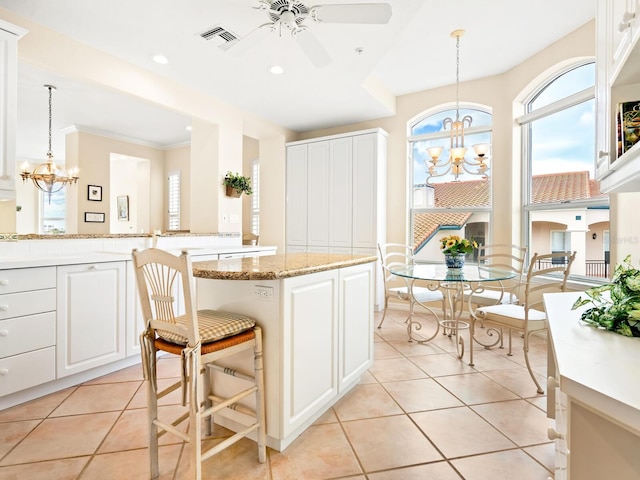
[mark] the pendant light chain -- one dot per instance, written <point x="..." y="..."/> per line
<point x="457" y="78"/>
<point x="49" y="153"/>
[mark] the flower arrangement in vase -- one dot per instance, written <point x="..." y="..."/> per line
<point x="455" y="248"/>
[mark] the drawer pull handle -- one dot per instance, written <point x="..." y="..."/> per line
<point x="553" y="434"/>
<point x="4" y="308"/>
<point x="4" y="371"/>
<point x="93" y="267"/>
<point x="552" y="382"/>
<point x="4" y="282"/>
<point x="4" y="333"/>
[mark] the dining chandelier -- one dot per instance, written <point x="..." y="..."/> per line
<point x="49" y="177"/>
<point x="457" y="162"/>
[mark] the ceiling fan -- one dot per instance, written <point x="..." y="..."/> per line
<point x="290" y="16"/>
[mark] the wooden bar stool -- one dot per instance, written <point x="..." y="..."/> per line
<point x="200" y="338"/>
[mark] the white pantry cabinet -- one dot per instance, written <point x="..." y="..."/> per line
<point x="336" y="192"/>
<point x="91" y="316"/>
<point x="9" y="35"/>
<point x="617" y="81"/>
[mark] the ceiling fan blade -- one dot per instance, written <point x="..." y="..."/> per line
<point x="253" y="38"/>
<point x="312" y="48"/>
<point x="352" y="13"/>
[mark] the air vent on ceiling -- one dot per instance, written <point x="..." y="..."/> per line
<point x="223" y="37"/>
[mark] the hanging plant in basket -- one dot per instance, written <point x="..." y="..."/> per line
<point x="236" y="184"/>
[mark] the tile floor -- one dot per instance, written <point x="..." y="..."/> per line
<point x="418" y="413"/>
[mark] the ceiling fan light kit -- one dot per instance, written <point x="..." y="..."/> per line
<point x="290" y="16"/>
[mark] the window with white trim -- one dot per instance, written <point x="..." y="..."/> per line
<point x="446" y="206"/>
<point x="255" y="196"/>
<point x="563" y="206"/>
<point x="54" y="212"/>
<point x="174" y="201"/>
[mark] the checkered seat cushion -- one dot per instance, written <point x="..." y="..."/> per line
<point x="213" y="325"/>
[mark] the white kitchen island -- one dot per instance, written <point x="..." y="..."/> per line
<point x="594" y="396"/>
<point x="316" y="314"/>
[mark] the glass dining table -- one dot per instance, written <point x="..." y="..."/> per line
<point x="455" y="284"/>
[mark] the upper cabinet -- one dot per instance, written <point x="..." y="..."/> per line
<point x="618" y="81"/>
<point x="9" y="35"/>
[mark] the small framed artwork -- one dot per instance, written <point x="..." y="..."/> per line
<point x="93" y="217"/>
<point x="94" y="193"/>
<point x="123" y="207"/>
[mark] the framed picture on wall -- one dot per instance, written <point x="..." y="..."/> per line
<point x="94" y="193"/>
<point x="93" y="217"/>
<point x="123" y="207"/>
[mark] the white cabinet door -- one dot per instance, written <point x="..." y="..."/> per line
<point x="310" y="346"/>
<point x="622" y="22"/>
<point x="605" y="150"/>
<point x="318" y="194"/>
<point x="90" y="316"/>
<point x="355" y="323"/>
<point x="365" y="190"/>
<point x="9" y="35"/>
<point x="296" y="207"/>
<point x="340" y="194"/>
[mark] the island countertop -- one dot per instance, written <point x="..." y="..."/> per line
<point x="273" y="267"/>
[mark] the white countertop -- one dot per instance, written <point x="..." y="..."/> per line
<point x="46" y="260"/>
<point x="597" y="368"/>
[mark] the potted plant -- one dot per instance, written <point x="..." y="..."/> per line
<point x="237" y="184"/>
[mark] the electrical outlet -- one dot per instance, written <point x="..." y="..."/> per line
<point x="262" y="292"/>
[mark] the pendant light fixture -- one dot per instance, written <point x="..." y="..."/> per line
<point x="457" y="163"/>
<point x="49" y="177"/>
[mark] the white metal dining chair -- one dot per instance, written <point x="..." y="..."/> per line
<point x="399" y="288"/>
<point x="200" y="339"/>
<point x="546" y="273"/>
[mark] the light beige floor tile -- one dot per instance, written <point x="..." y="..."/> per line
<point x="384" y="350"/>
<point x="412" y="349"/>
<point x="133" y="464"/>
<point x="539" y="401"/>
<point x="394" y="369"/>
<point x="523" y="423"/>
<point x="38" y="408"/>
<point x="545" y="454"/>
<point x="237" y="462"/>
<point x="139" y="400"/>
<point x="442" y="364"/>
<point x="367" y="378"/>
<point x="431" y="471"/>
<point x="474" y="388"/>
<point x="65" y="469"/>
<point x="168" y="366"/>
<point x="366" y="401"/>
<point x="131" y="431"/>
<point x="501" y="466"/>
<point x="130" y="374"/>
<point x="472" y="435"/>
<point x="420" y="395"/>
<point x="322" y="451"/>
<point x="517" y="380"/>
<point x="327" y="417"/>
<point x="97" y="398"/>
<point x="63" y="437"/>
<point x="13" y="432"/>
<point x="492" y="360"/>
<point x="389" y="442"/>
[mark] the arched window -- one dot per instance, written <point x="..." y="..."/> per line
<point x="564" y="209"/>
<point x="445" y="205"/>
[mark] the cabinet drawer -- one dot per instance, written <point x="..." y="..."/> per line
<point x="24" y="334"/>
<point x="23" y="279"/>
<point x="27" y="370"/>
<point x="27" y="303"/>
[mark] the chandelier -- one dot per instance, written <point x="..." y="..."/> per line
<point x="457" y="163"/>
<point x="49" y="177"/>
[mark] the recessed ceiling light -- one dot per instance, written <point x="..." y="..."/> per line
<point x="188" y="127"/>
<point x="161" y="59"/>
<point x="277" y="70"/>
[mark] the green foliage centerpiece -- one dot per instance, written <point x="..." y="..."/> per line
<point x="616" y="305"/>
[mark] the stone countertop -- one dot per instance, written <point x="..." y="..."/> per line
<point x="75" y="236"/>
<point x="274" y="267"/>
